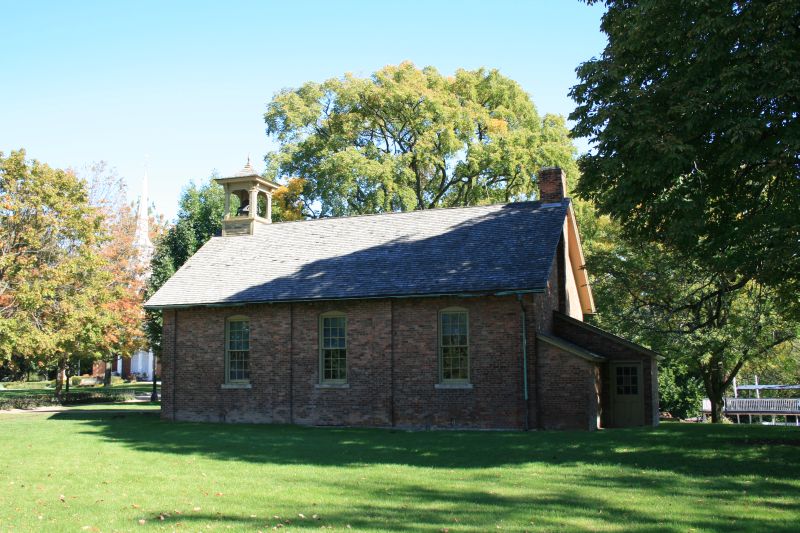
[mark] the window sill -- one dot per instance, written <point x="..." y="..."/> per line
<point x="236" y="386"/>
<point x="332" y="386"/>
<point x="456" y="386"/>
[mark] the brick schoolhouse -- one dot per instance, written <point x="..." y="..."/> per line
<point x="445" y="318"/>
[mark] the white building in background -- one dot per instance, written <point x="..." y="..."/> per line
<point x="142" y="360"/>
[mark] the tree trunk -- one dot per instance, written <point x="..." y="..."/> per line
<point x="107" y="375"/>
<point x="716" y="409"/>
<point x="715" y="389"/>
<point x="62" y="365"/>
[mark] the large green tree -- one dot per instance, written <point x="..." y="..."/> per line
<point x="54" y="280"/>
<point x="406" y="138"/>
<point x="693" y="114"/>
<point x="707" y="325"/>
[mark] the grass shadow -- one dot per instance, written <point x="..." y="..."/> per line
<point x="689" y="449"/>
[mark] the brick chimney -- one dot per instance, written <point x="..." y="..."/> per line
<point x="552" y="185"/>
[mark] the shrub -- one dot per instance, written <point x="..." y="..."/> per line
<point x="31" y="401"/>
<point x="28" y="385"/>
<point x="27" y="402"/>
<point x="97" y="396"/>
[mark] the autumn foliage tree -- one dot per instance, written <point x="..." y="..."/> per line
<point x="49" y="258"/>
<point x="59" y="292"/>
<point x="121" y="316"/>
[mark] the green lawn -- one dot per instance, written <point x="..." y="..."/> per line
<point x="30" y="398"/>
<point x="84" y="470"/>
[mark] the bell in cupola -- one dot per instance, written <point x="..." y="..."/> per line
<point x="252" y="195"/>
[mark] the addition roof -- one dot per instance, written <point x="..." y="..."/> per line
<point x="503" y="248"/>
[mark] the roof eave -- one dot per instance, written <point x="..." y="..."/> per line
<point x="509" y="292"/>
<point x="579" y="264"/>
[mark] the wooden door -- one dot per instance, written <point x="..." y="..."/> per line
<point x="627" y="398"/>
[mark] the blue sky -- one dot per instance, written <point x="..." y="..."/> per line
<point x="185" y="84"/>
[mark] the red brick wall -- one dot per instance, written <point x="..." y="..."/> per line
<point x="392" y="365"/>
<point x="168" y="368"/>
<point x="193" y="390"/>
<point x="540" y="318"/>
<point x="99" y="367"/>
<point x="367" y="398"/>
<point x="569" y="394"/>
<point x="545" y="303"/>
<point x="495" y="399"/>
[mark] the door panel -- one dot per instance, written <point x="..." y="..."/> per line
<point x="627" y="398"/>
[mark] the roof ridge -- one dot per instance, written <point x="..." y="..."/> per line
<point x="420" y="211"/>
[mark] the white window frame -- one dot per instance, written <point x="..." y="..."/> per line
<point x="450" y="381"/>
<point x="322" y="379"/>
<point x="228" y="322"/>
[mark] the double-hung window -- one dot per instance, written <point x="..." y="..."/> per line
<point x="237" y="350"/>
<point x="333" y="348"/>
<point x="453" y="346"/>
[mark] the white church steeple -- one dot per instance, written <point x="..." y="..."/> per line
<point x="141" y="240"/>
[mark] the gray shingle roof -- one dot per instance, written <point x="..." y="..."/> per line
<point x="487" y="249"/>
